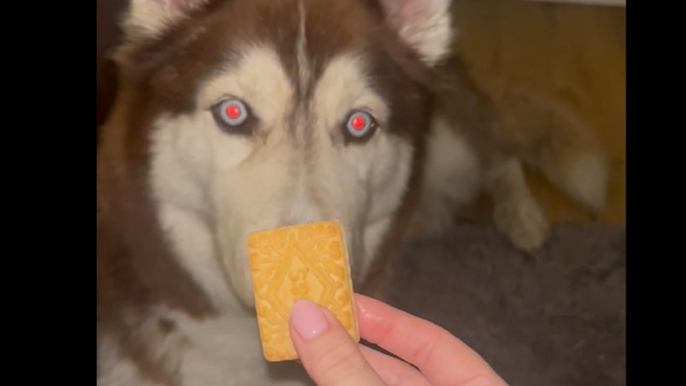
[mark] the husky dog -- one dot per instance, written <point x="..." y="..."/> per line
<point x="239" y="115"/>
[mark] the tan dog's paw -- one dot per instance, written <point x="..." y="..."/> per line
<point x="523" y="222"/>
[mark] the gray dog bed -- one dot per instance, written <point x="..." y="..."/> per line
<point x="555" y="318"/>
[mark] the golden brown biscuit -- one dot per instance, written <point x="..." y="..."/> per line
<point x="308" y="261"/>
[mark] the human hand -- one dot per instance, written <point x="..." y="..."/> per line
<point x="331" y="358"/>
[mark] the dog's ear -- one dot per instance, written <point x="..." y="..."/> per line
<point x="424" y="24"/>
<point x="148" y="18"/>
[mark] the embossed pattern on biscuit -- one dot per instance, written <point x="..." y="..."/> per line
<point x="308" y="261"/>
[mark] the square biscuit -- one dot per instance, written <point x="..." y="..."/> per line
<point x="307" y="261"/>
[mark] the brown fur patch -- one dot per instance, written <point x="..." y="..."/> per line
<point x="135" y="269"/>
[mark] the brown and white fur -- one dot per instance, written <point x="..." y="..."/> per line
<point x="177" y="195"/>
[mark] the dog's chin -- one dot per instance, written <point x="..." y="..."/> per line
<point x="244" y="294"/>
<point x="237" y="272"/>
<point x="247" y="300"/>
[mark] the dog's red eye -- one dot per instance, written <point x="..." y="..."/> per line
<point x="360" y="124"/>
<point x="232" y="112"/>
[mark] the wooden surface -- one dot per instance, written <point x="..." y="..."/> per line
<point x="573" y="53"/>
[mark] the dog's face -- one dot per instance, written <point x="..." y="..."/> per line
<point x="261" y="113"/>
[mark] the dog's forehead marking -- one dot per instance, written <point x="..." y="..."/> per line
<point x="300" y="114"/>
<point x="303" y="69"/>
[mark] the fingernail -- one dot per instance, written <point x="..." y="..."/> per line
<point x="308" y="319"/>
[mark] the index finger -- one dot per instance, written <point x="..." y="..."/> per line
<point x="441" y="357"/>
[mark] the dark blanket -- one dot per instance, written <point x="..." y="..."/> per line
<point x="557" y="318"/>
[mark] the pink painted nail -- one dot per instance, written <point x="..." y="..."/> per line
<point x="308" y="319"/>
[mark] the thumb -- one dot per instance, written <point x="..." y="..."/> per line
<point x="325" y="348"/>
